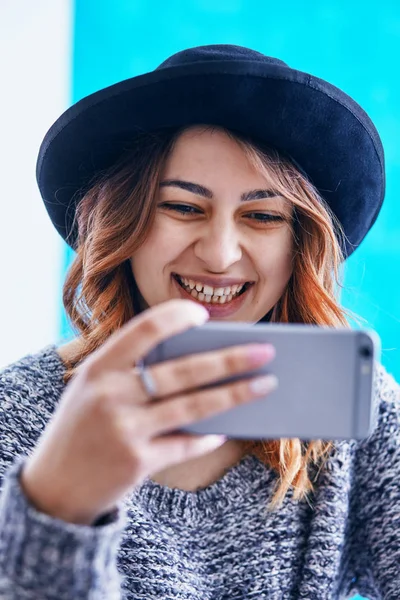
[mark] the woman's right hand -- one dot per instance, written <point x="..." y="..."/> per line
<point x="106" y="436"/>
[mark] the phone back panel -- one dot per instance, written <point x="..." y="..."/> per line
<point x="325" y="380"/>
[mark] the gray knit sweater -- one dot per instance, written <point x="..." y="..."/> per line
<point x="215" y="543"/>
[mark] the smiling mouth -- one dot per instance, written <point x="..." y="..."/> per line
<point x="210" y="295"/>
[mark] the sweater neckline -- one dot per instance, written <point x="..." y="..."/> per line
<point x="248" y="477"/>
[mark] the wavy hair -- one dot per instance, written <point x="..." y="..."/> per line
<point x="112" y="221"/>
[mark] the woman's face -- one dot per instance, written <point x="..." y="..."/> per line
<point x="221" y="236"/>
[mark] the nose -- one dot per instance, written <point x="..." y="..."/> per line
<point x="218" y="246"/>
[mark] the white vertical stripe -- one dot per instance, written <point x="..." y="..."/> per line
<point x="35" y="63"/>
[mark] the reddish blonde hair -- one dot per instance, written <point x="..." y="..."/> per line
<point x="113" y="219"/>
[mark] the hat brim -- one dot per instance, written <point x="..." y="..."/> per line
<point x="324" y="130"/>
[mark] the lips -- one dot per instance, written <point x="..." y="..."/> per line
<point x="218" y="307"/>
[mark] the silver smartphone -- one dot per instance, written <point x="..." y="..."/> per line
<point x="325" y="378"/>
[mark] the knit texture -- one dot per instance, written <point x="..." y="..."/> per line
<point x="218" y="543"/>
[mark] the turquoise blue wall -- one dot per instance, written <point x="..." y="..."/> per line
<point x="355" y="45"/>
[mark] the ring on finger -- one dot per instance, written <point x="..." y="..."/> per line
<point x="147" y="380"/>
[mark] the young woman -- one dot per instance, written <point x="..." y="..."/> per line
<point x="222" y="185"/>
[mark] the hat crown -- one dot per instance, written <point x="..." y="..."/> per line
<point x="218" y="52"/>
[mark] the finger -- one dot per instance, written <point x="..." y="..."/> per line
<point x="136" y="338"/>
<point x="168" y="415"/>
<point x="173" y="449"/>
<point x="179" y="375"/>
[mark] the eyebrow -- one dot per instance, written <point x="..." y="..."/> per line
<point x="200" y="190"/>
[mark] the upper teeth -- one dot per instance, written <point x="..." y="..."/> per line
<point x="207" y="290"/>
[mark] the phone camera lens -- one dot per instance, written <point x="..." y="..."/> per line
<point x="365" y="352"/>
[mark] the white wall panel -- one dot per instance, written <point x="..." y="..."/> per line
<point x="35" y="62"/>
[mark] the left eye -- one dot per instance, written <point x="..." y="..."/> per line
<point x="265" y="218"/>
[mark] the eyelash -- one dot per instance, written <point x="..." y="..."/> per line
<point x="181" y="208"/>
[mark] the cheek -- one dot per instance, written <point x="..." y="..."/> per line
<point x="168" y="235"/>
<point x="162" y="245"/>
<point x="277" y="266"/>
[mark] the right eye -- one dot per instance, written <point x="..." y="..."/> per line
<point x="183" y="209"/>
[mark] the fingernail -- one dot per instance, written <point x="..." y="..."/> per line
<point x="216" y="440"/>
<point x="260" y="353"/>
<point x="200" y="313"/>
<point x="264" y="384"/>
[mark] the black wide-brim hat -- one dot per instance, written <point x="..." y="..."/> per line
<point x="325" y="132"/>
